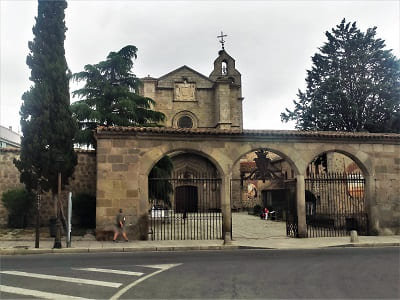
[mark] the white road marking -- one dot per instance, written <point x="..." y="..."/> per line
<point x="38" y="294"/>
<point x="121" y="272"/>
<point x="163" y="266"/>
<point x="66" y="279"/>
<point x="160" y="268"/>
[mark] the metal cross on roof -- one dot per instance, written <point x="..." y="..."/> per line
<point x="222" y="39"/>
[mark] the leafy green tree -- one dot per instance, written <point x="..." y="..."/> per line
<point x="110" y="96"/>
<point x="46" y="120"/>
<point x="353" y="85"/>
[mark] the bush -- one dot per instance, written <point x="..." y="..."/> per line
<point x="84" y="209"/>
<point x="18" y="202"/>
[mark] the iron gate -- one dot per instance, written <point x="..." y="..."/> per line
<point x="291" y="209"/>
<point x="335" y="204"/>
<point x="185" y="209"/>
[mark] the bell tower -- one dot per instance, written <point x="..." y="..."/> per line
<point x="228" y="91"/>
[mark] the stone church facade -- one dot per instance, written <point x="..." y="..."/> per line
<point x="192" y="100"/>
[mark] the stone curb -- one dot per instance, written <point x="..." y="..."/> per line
<point x="26" y="251"/>
<point x="351" y="245"/>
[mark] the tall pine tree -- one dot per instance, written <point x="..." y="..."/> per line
<point x="354" y="85"/>
<point x="46" y="120"/>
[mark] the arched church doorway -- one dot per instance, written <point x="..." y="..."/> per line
<point x="185" y="203"/>
<point x="335" y="197"/>
<point x="186" y="199"/>
<point x="263" y="196"/>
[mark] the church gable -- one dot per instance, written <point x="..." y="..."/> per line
<point x="189" y="99"/>
<point x="184" y="75"/>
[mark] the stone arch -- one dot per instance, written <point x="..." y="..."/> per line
<point x="363" y="162"/>
<point x="152" y="157"/>
<point x="242" y="152"/>
<point x="338" y="196"/>
<point x="155" y="155"/>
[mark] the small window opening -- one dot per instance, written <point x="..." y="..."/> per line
<point x="224" y="68"/>
<point x="185" y="122"/>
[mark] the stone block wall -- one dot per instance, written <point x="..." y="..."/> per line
<point x="385" y="204"/>
<point x="202" y="108"/>
<point x="117" y="182"/>
<point x="9" y="177"/>
<point x="82" y="181"/>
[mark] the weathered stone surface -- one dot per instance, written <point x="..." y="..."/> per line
<point x="119" y="167"/>
<point x="83" y="181"/>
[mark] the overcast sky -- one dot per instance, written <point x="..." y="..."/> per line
<point x="271" y="41"/>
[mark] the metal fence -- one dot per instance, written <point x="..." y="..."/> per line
<point x="291" y="209"/>
<point x="185" y="209"/>
<point x="335" y="204"/>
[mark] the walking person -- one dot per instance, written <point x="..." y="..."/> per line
<point x="120" y="226"/>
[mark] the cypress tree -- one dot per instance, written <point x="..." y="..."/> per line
<point x="46" y="120"/>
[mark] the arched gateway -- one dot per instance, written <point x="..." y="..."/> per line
<point x="204" y="137"/>
<point x="125" y="157"/>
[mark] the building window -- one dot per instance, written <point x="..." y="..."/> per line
<point x="185" y="122"/>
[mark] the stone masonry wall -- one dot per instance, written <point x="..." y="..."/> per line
<point x="9" y="177"/>
<point x="83" y="181"/>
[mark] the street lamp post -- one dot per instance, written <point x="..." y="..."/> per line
<point x="57" y="240"/>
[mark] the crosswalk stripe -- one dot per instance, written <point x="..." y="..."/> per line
<point x="121" y="272"/>
<point x="63" y="278"/>
<point x="161" y="268"/>
<point x="35" y="293"/>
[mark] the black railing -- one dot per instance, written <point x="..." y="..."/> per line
<point x="185" y="209"/>
<point x="335" y="205"/>
<point x="291" y="209"/>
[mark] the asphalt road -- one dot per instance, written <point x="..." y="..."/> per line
<point x="325" y="273"/>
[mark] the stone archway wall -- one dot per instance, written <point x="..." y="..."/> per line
<point x="126" y="155"/>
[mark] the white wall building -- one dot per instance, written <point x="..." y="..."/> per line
<point x="9" y="138"/>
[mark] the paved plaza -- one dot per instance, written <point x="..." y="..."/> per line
<point x="245" y="226"/>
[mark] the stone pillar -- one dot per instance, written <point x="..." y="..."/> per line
<point x="370" y="205"/>
<point x="301" y="206"/>
<point x="223" y="109"/>
<point x="226" y="210"/>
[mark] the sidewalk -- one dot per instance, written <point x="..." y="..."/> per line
<point x="249" y="232"/>
<point x="88" y="244"/>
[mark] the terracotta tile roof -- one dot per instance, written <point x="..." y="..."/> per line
<point x="247" y="166"/>
<point x="247" y="133"/>
<point x="77" y="150"/>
